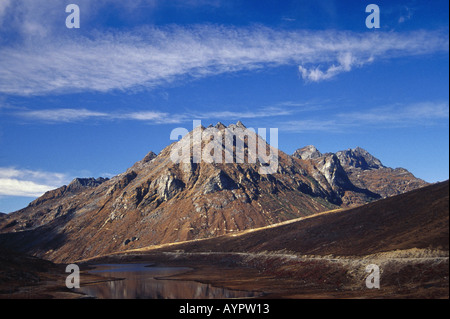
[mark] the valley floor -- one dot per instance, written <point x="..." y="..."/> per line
<point x="414" y="273"/>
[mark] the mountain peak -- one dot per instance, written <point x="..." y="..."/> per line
<point x="78" y="183"/>
<point x="240" y="124"/>
<point x="151" y="155"/>
<point x="307" y="152"/>
<point x="359" y="158"/>
<point x="220" y="126"/>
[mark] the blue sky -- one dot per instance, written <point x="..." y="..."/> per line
<point x="90" y="102"/>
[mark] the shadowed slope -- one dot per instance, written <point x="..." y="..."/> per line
<point x="417" y="219"/>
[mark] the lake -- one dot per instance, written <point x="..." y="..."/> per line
<point x="139" y="281"/>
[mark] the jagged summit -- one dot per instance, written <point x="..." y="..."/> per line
<point x="307" y="152"/>
<point x="355" y="158"/>
<point x="240" y="124"/>
<point x="219" y="125"/>
<point x="78" y="183"/>
<point x="359" y="158"/>
<point x="150" y="155"/>
<point x="362" y="169"/>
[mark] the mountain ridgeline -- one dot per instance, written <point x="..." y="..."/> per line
<point x="158" y="201"/>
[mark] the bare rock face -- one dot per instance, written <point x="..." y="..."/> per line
<point x="358" y="158"/>
<point x="149" y="157"/>
<point x="357" y="176"/>
<point x="330" y="174"/>
<point x="366" y="171"/>
<point x="158" y="200"/>
<point x="167" y="186"/>
<point x="219" y="181"/>
<point x="307" y="152"/>
<point x="80" y="183"/>
<point x="333" y="172"/>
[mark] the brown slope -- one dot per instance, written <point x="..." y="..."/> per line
<point x="417" y="219"/>
<point x="386" y="181"/>
<point x="17" y="271"/>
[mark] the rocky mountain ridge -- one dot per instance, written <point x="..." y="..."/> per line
<point x="159" y="201"/>
<point x="362" y="169"/>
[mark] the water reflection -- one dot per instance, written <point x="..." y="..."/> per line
<point x="139" y="281"/>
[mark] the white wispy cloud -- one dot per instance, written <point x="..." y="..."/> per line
<point x="28" y="183"/>
<point x="149" y="116"/>
<point x="150" y="56"/>
<point x="67" y="115"/>
<point x="4" y="4"/>
<point x="61" y="115"/>
<point x="311" y="125"/>
<point x="421" y="113"/>
<point x="231" y="115"/>
<point x="411" y="115"/>
<point x="345" y="62"/>
<point x="407" y="13"/>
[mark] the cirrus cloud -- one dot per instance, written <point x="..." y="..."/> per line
<point x="428" y="113"/>
<point x="153" y="56"/>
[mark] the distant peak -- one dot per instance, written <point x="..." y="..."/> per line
<point x="240" y="124"/>
<point x="360" y="150"/>
<point x="220" y="125"/>
<point x="311" y="148"/>
<point x="307" y="152"/>
<point x="78" y="183"/>
<point x="200" y="126"/>
<point x="151" y="155"/>
<point x="359" y="158"/>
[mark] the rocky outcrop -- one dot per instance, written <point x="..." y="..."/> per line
<point x="52" y="205"/>
<point x="333" y="172"/>
<point x="219" y="181"/>
<point x="167" y="186"/>
<point x="307" y="152"/>
<point x="81" y="183"/>
<point x="366" y="171"/>
<point x="359" y="172"/>
<point x="149" y="157"/>
<point x="358" y="158"/>
<point x="330" y="174"/>
<point x="77" y="185"/>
